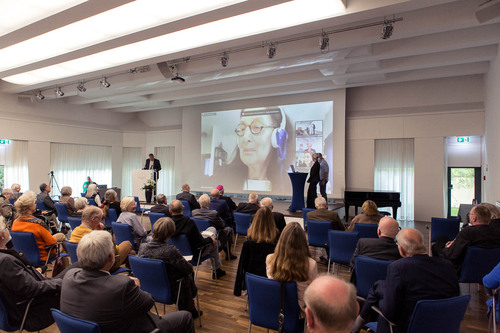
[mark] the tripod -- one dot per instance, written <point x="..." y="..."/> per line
<point x="53" y="180"/>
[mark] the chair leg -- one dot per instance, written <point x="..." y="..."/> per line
<point x="156" y="310"/>
<point x="328" y="266"/>
<point x="198" y="307"/>
<point x="249" y="327"/>
<point x="235" y="240"/>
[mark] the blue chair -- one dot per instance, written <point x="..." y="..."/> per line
<point x="366" y="230"/>
<point x="436" y="316"/>
<point x="181" y="242"/>
<point x="477" y="263"/>
<point x="83" y="194"/>
<point x="342" y="246"/>
<point x="69" y="324"/>
<point x="264" y="303"/>
<point x="138" y="208"/>
<point x="187" y="208"/>
<point x="123" y="232"/>
<point x="5" y="325"/>
<point x="444" y="227"/>
<point x="71" y="247"/>
<point x="201" y="224"/>
<point x="368" y="271"/>
<point x="11" y="200"/>
<point x="26" y="242"/>
<point x="153" y="217"/>
<point x="304" y="215"/>
<point x="74" y="222"/>
<point x="317" y="233"/>
<point x="62" y="212"/>
<point x="242" y="221"/>
<point x="91" y="202"/>
<point x="112" y="217"/>
<point x="40" y="205"/>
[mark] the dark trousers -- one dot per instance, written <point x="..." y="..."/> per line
<point x="311" y="194"/>
<point x="322" y="189"/>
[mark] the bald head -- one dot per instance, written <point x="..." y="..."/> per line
<point x="330" y="305"/>
<point x="388" y="227"/>
<point x="411" y="242"/>
<point x="215" y="193"/>
<point x="176" y="207"/>
<point x="267" y="202"/>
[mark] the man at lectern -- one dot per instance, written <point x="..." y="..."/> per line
<point x="153" y="164"/>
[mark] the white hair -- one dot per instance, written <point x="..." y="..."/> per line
<point x="94" y="249"/>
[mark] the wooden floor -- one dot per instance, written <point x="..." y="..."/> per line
<point x="224" y="312"/>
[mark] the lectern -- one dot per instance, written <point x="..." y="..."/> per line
<point x="139" y="178"/>
<point x="298" y="181"/>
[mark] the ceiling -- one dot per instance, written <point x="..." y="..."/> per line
<point x="434" y="39"/>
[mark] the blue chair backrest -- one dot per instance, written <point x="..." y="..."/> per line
<point x="444" y="227"/>
<point x="317" y="233"/>
<point x="25" y="242"/>
<point x="477" y="263"/>
<point x="242" y="221"/>
<point x="83" y="194"/>
<point x="439" y="316"/>
<point x="123" y="232"/>
<point x="71" y="247"/>
<point x="91" y="202"/>
<point x="342" y="245"/>
<point x="138" y="205"/>
<point x="40" y="205"/>
<point x="11" y="200"/>
<point x="201" y="224"/>
<point x="4" y="319"/>
<point x="368" y="270"/>
<point x="112" y="217"/>
<point x="264" y="303"/>
<point x="62" y="212"/>
<point x="153" y="217"/>
<point x="153" y="276"/>
<point x="304" y="213"/>
<point x="181" y="242"/>
<point x="69" y="324"/>
<point x="366" y="230"/>
<point x="74" y="222"/>
<point x="187" y="208"/>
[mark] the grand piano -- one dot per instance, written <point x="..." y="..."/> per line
<point x="356" y="197"/>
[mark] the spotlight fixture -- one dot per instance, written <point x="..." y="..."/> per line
<point x="59" y="92"/>
<point x="80" y="87"/>
<point x="324" y="41"/>
<point x="177" y="77"/>
<point x="271" y="50"/>
<point x="39" y="95"/>
<point x="104" y="83"/>
<point x="224" y="59"/>
<point x="387" y="30"/>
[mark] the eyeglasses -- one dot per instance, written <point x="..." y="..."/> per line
<point x="255" y="128"/>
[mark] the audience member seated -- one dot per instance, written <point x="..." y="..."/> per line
<point x="222" y="208"/>
<point x="477" y="234"/>
<point x="16" y="191"/>
<point x="20" y="282"/>
<point x="67" y="200"/>
<point x="261" y="241"/>
<point x="279" y="218"/>
<point x="292" y="261"/>
<point x="225" y="232"/>
<point x="92" y="218"/>
<point x="251" y="207"/>
<point x="93" y="194"/>
<point x="185" y="195"/>
<point x="80" y="204"/>
<point x="50" y="213"/>
<point x="111" y="201"/>
<point x="129" y="217"/>
<point x="495" y="215"/>
<point x="323" y="214"/>
<point x="229" y="201"/>
<point x="331" y="305"/>
<point x="115" y="302"/>
<point x="26" y="222"/>
<point x="184" y="225"/>
<point x="370" y="215"/>
<point x="162" y="206"/>
<point x="177" y="267"/>
<point x="6" y="209"/>
<point x="413" y="278"/>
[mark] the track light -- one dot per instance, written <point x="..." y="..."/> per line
<point x="80" y="87"/>
<point x="59" y="92"/>
<point x="324" y="41"/>
<point x="104" y="83"/>
<point x="387" y="30"/>
<point x="224" y="59"/>
<point x="39" y="95"/>
<point x="271" y="50"/>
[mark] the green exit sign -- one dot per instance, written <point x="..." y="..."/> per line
<point x="4" y="142"/>
<point x="462" y="139"/>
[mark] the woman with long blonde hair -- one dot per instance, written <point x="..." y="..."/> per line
<point x="292" y="261"/>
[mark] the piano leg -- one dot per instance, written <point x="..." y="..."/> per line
<point x="395" y="212"/>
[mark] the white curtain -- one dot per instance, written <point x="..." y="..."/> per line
<point x="394" y="171"/>
<point x="16" y="165"/>
<point x="72" y="164"/>
<point x="166" y="156"/>
<point x="132" y="160"/>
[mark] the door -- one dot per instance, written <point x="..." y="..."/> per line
<point x="464" y="187"/>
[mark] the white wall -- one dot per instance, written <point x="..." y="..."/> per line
<point x="464" y="154"/>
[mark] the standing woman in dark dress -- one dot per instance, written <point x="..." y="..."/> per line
<point x="313" y="182"/>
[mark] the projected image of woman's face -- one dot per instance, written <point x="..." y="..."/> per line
<point x="254" y="142"/>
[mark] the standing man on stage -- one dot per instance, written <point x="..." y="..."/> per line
<point x="153" y="164"/>
<point x="323" y="175"/>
